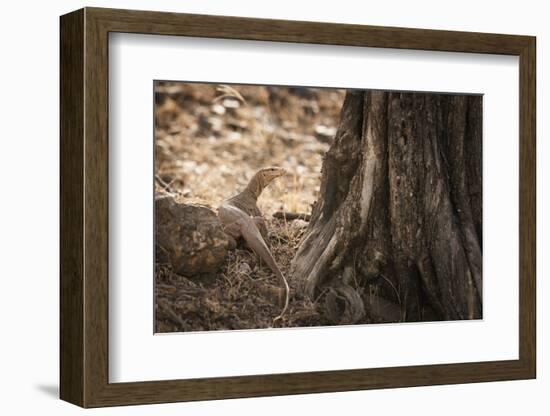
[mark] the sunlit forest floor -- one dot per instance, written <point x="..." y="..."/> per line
<point x="209" y="141"/>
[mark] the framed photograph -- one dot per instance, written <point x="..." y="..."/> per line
<point x="256" y="207"/>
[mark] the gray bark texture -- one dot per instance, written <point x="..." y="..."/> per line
<point x="396" y="233"/>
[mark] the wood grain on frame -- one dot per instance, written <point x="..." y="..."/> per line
<point x="71" y="212"/>
<point x="84" y="207"/>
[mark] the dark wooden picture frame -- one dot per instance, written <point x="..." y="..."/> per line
<point x="84" y="207"/>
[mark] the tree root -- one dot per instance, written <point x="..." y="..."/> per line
<point x="290" y="216"/>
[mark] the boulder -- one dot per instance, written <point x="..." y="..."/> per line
<point x="189" y="237"/>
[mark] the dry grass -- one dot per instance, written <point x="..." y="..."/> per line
<point x="209" y="141"/>
<point x="209" y="152"/>
<point x="240" y="297"/>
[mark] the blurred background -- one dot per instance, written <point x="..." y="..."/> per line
<point x="210" y="139"/>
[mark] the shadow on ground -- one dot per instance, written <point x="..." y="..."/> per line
<point x="51" y="390"/>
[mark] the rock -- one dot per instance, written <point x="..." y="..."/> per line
<point x="299" y="224"/>
<point x="231" y="103"/>
<point x="218" y="109"/>
<point x="189" y="237"/>
<point x="343" y="305"/>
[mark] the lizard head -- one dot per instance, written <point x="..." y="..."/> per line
<point x="269" y="174"/>
<point x="262" y="178"/>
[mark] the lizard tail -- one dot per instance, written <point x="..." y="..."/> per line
<point x="287" y="297"/>
<point x="254" y="238"/>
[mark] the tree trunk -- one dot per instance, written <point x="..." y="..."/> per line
<point x="396" y="232"/>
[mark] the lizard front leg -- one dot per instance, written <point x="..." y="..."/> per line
<point x="233" y="230"/>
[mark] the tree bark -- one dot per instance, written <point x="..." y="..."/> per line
<point x="396" y="233"/>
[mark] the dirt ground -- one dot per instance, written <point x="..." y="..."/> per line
<point x="209" y="141"/>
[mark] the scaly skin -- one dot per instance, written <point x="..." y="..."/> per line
<point x="241" y="217"/>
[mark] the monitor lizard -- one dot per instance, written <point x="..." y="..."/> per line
<point x="241" y="217"/>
